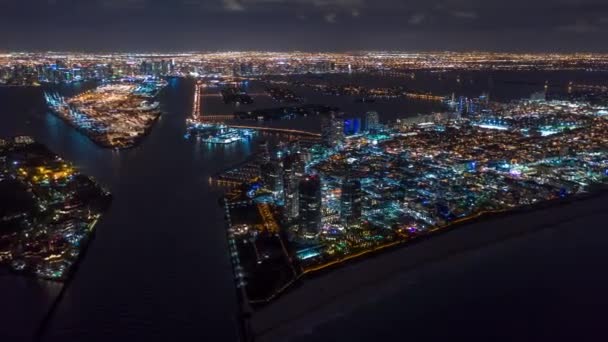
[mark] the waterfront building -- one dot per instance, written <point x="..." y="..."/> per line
<point x="538" y="96"/>
<point x="350" y="202"/>
<point x="372" y="121"/>
<point x="352" y="126"/>
<point x="23" y="140"/>
<point x="263" y="153"/>
<point x="290" y="187"/>
<point x="462" y="105"/>
<point x="332" y="130"/>
<point x="272" y="176"/>
<point x="309" y="193"/>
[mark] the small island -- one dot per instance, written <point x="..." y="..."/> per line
<point x="48" y="210"/>
<point x="115" y="115"/>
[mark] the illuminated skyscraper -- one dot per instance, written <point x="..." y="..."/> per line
<point x="310" y="206"/>
<point x="539" y="96"/>
<point x="350" y="202"/>
<point x="372" y="121"/>
<point x="462" y="105"/>
<point x="272" y="176"/>
<point x="332" y="130"/>
<point x="263" y="153"/>
<point x="352" y="126"/>
<point x="290" y="187"/>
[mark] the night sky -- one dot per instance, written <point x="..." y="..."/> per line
<point x="308" y="25"/>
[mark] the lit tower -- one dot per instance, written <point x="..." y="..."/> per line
<point x="272" y="176"/>
<point x="332" y="129"/>
<point x="372" y="121"/>
<point x="263" y="153"/>
<point x="290" y="187"/>
<point x="350" y="202"/>
<point x="310" y="206"/>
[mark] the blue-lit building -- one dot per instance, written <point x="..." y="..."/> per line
<point x="352" y="126"/>
<point x="462" y="105"/>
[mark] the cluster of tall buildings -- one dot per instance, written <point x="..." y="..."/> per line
<point x="64" y="71"/>
<point x="300" y="193"/>
<point x="335" y="127"/>
<point x="469" y="105"/>
<point x="61" y="71"/>
<point x="157" y="68"/>
<point x="18" y="75"/>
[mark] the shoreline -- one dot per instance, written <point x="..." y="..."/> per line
<point x="99" y="204"/>
<point x="274" y="318"/>
<point x="135" y="142"/>
<point x="44" y="323"/>
<point x="460" y="223"/>
<point x="482" y="217"/>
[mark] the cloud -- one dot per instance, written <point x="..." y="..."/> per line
<point x="330" y="18"/>
<point x="579" y="27"/>
<point x="123" y="4"/>
<point x="233" y="5"/>
<point x="327" y="3"/>
<point x="348" y="6"/>
<point x="416" y="19"/>
<point x="465" y="14"/>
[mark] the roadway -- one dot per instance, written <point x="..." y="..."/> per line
<point x="196" y="114"/>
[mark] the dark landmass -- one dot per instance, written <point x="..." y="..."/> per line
<point x="284" y="113"/>
<point x="236" y="96"/>
<point x="283" y="95"/>
<point x="47" y="210"/>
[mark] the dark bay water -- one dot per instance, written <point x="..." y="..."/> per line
<point x="545" y="285"/>
<point x="158" y="268"/>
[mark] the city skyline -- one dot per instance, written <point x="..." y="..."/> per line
<point x="295" y="170"/>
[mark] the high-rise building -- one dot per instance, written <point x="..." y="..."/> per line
<point x="538" y="96"/>
<point x="372" y="121"/>
<point x="272" y="176"/>
<point x="352" y="126"/>
<point x="350" y="202"/>
<point x="309" y="191"/>
<point x="164" y="67"/>
<point x="290" y="187"/>
<point x="332" y="130"/>
<point x="143" y="68"/>
<point x="263" y="153"/>
<point x="462" y="105"/>
<point x="245" y="69"/>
